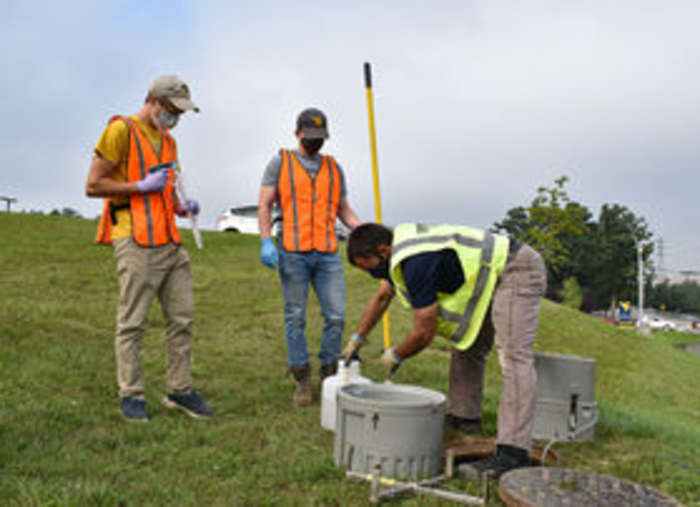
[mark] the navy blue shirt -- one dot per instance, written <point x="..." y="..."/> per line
<point x="428" y="273"/>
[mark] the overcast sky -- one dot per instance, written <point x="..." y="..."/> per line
<point x="477" y="102"/>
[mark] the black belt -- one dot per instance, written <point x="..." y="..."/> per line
<point x="513" y="246"/>
<point x="113" y="208"/>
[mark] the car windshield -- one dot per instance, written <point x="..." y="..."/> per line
<point x="251" y="211"/>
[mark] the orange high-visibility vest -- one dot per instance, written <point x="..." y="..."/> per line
<point x="309" y="205"/>
<point x="152" y="215"/>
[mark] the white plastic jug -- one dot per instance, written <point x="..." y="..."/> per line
<point x="346" y="375"/>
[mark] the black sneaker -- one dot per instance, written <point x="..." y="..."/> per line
<point x="505" y="459"/>
<point x="463" y="424"/>
<point x="190" y="403"/>
<point x="134" y="409"/>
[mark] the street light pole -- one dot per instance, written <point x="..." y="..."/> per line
<point x="640" y="284"/>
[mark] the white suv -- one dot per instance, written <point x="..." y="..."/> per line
<point x="658" y="324"/>
<point x="243" y="219"/>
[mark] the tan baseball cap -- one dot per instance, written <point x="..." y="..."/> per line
<point x="174" y="90"/>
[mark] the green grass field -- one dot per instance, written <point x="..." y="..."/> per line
<point x="63" y="441"/>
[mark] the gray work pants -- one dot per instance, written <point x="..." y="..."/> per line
<point x="145" y="274"/>
<point x="512" y="324"/>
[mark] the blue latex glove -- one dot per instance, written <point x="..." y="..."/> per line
<point x="268" y="253"/>
<point x="190" y="206"/>
<point x="154" y="182"/>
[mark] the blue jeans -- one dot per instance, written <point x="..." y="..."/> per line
<point x="325" y="273"/>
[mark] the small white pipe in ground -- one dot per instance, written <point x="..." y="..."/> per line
<point x="416" y="487"/>
<point x="347" y="374"/>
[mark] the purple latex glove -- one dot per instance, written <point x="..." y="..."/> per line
<point x="190" y="207"/>
<point x="154" y="182"/>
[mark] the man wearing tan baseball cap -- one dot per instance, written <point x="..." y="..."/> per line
<point x="134" y="167"/>
<point x="172" y="89"/>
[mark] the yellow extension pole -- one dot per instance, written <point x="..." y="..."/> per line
<point x="375" y="177"/>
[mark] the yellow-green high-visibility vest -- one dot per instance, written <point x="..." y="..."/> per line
<point x="482" y="255"/>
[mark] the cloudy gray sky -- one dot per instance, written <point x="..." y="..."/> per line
<point x="478" y="102"/>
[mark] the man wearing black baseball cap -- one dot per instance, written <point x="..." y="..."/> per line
<point x="312" y="124"/>
<point x="310" y="190"/>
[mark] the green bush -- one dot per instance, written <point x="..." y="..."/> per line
<point x="570" y="294"/>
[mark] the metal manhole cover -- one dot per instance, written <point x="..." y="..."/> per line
<point x="563" y="487"/>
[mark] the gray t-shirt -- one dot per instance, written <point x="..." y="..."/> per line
<point x="311" y="164"/>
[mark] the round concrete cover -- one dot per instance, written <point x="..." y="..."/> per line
<point x="562" y="487"/>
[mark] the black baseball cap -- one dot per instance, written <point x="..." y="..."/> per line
<point x="312" y="124"/>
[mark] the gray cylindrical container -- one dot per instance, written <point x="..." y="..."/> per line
<point x="398" y="427"/>
<point x="565" y="408"/>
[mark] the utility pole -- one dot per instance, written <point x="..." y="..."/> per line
<point x="641" y="326"/>
<point x="640" y="284"/>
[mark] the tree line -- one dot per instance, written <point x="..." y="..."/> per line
<point x="679" y="297"/>
<point x="591" y="261"/>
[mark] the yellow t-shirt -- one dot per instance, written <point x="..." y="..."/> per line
<point x="113" y="146"/>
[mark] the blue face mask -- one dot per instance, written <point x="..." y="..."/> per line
<point x="167" y="120"/>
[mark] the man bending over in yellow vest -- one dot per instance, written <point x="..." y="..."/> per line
<point x="474" y="288"/>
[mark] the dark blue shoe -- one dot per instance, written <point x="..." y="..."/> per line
<point x="190" y="403"/>
<point x="134" y="409"/>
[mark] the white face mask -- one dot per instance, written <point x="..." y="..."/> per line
<point x="166" y="120"/>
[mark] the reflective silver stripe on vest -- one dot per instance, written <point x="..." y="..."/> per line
<point x="487" y="248"/>
<point x="457" y="238"/>
<point x="169" y="217"/>
<point x="448" y="315"/>
<point x="146" y="198"/>
<point x="330" y="202"/>
<point x="481" y="279"/>
<point x="290" y="169"/>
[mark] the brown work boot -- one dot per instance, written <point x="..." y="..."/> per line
<point x="302" y="377"/>
<point x="327" y="370"/>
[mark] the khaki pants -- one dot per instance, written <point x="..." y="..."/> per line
<point x="144" y="274"/>
<point x="512" y="324"/>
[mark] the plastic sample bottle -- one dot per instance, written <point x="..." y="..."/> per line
<point x="347" y="374"/>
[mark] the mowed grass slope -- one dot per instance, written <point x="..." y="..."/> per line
<point x="62" y="439"/>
